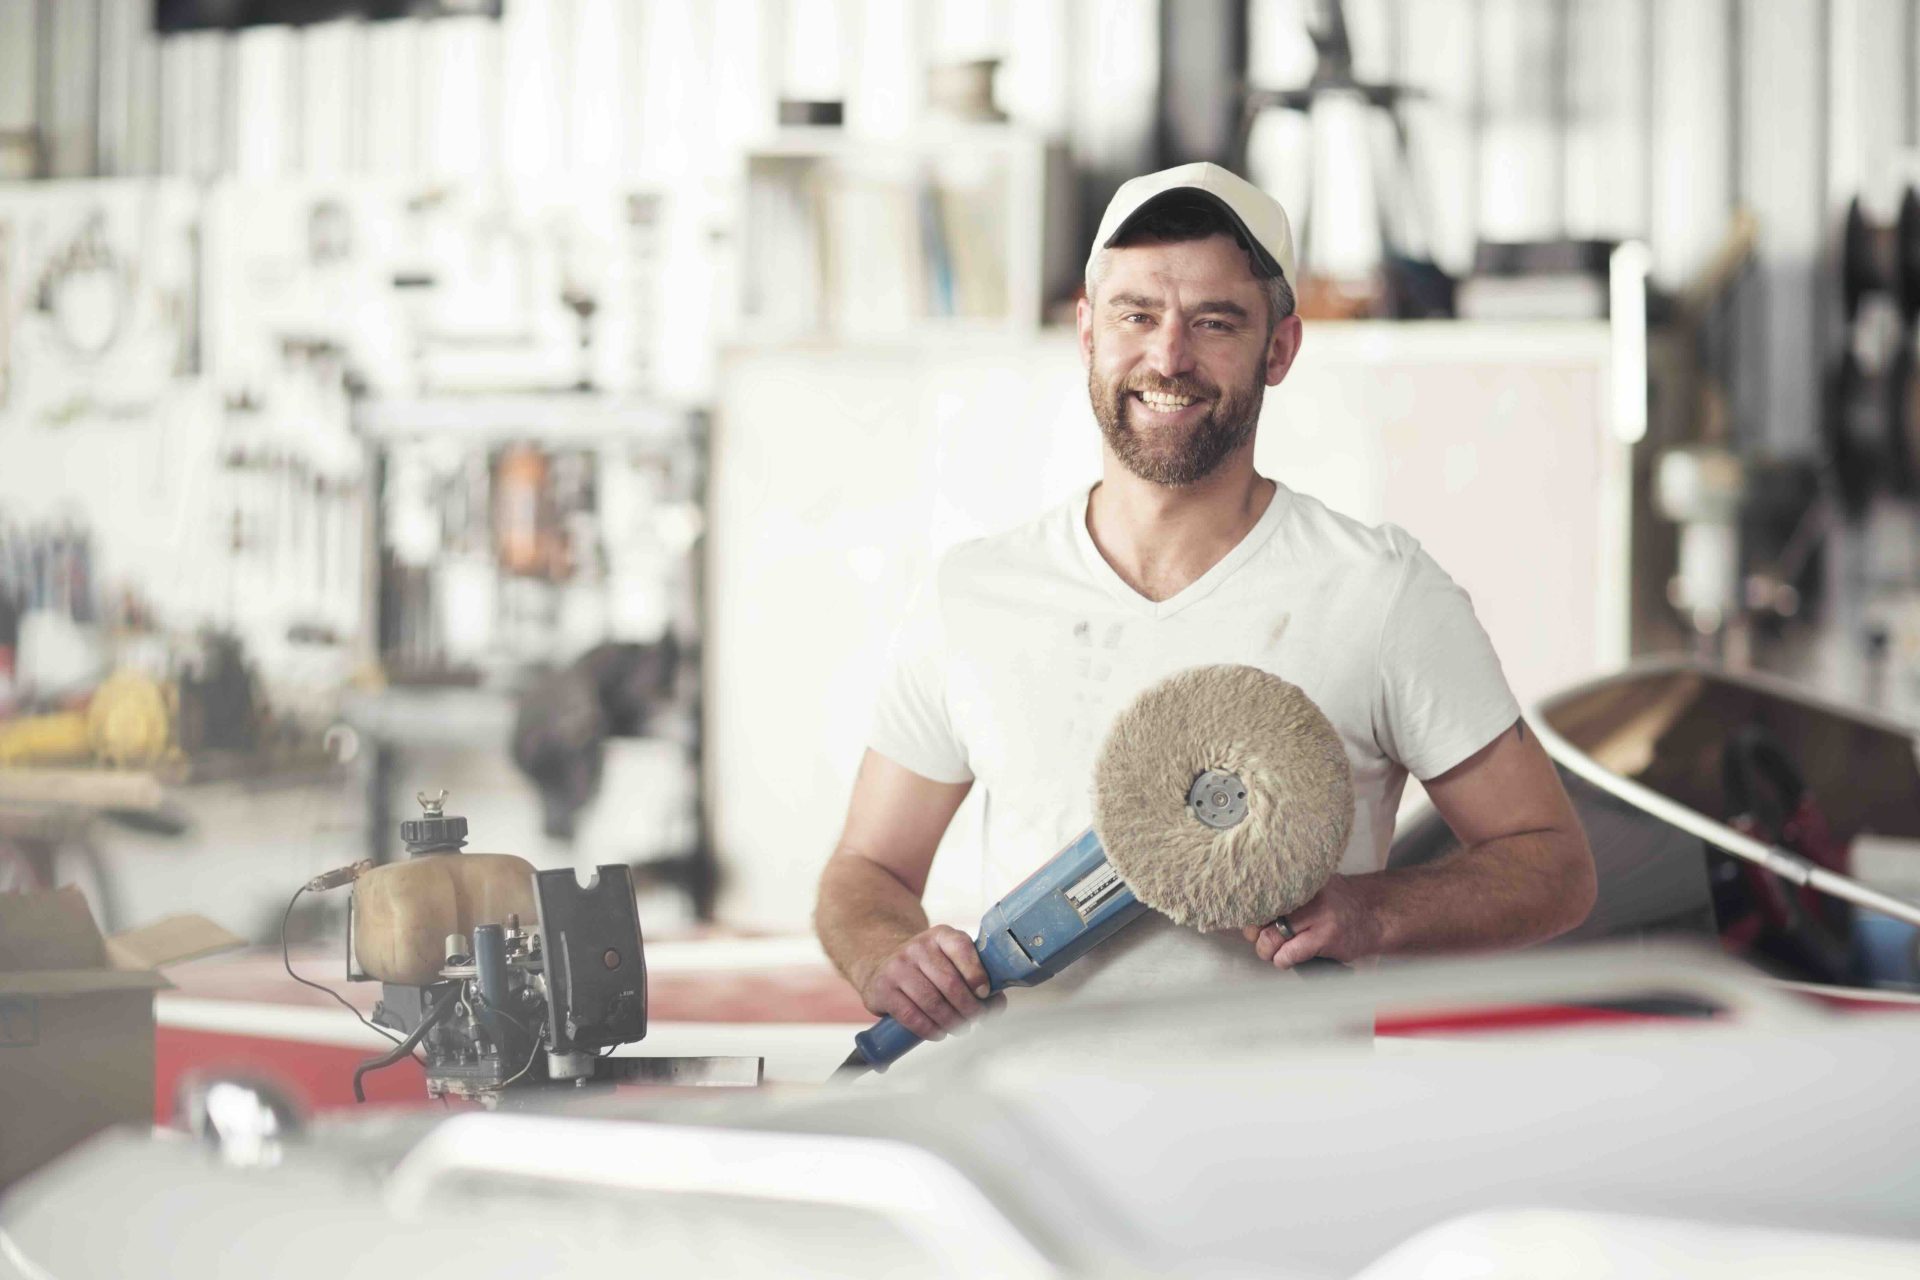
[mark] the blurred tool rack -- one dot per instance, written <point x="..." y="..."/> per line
<point x="478" y="432"/>
<point x="511" y="533"/>
<point x="552" y="417"/>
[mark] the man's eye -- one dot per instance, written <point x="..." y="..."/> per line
<point x="1131" y="316"/>
<point x="1221" y="325"/>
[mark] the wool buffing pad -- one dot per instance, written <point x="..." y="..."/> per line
<point x="1223" y="797"/>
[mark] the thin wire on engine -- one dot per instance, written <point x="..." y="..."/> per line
<point x="480" y="998"/>
<point x="536" y="1036"/>
<point x="530" y="1057"/>
<point x="287" y="961"/>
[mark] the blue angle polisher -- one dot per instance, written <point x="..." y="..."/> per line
<point x="1222" y="798"/>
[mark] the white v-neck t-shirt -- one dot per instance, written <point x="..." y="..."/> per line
<point x="1020" y="650"/>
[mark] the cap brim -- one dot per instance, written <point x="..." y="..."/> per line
<point x="1269" y="265"/>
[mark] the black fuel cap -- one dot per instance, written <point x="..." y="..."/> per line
<point x="435" y="830"/>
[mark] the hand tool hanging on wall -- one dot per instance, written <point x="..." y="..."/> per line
<point x="1222" y="799"/>
<point x="527" y="538"/>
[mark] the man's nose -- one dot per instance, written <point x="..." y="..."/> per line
<point x="1170" y="354"/>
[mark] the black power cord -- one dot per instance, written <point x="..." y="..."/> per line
<point x="437" y="1014"/>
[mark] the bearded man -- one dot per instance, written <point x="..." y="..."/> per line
<point x="1021" y="648"/>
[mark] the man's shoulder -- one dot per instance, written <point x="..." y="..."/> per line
<point x="1335" y="541"/>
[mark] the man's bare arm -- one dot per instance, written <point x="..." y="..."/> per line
<point x="863" y="914"/>
<point x="1523" y="873"/>
<point x="869" y="916"/>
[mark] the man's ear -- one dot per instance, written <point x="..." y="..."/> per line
<point x="1282" y="347"/>
<point x="1083" y="320"/>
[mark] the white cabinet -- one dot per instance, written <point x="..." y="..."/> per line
<point x="839" y="472"/>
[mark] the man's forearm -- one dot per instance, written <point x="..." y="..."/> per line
<point x="1509" y="892"/>
<point x="863" y="915"/>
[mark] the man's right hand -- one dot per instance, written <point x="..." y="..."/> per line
<point x="932" y="984"/>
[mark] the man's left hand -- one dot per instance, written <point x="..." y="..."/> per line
<point x="1338" y="922"/>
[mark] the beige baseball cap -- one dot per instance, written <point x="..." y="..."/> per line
<point x="1262" y="222"/>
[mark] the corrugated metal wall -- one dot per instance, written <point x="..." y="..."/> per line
<point x="1612" y="118"/>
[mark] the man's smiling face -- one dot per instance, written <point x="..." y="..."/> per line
<point x="1180" y="349"/>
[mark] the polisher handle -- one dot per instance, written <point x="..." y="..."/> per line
<point x="1052" y="918"/>
<point x="884" y="1043"/>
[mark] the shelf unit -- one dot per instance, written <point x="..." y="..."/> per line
<point x="853" y="239"/>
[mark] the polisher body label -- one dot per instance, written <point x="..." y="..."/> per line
<point x="1094" y="890"/>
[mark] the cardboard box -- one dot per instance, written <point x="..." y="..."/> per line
<point x="76" y="1021"/>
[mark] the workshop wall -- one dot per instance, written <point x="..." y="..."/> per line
<point x="1637" y="119"/>
<point x="1630" y="119"/>
<point x="1580" y="117"/>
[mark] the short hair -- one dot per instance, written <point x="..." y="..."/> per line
<point x="1180" y="220"/>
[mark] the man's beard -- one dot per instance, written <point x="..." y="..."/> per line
<point x="1181" y="457"/>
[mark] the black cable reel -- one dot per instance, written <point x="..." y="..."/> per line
<point x="1881" y="259"/>
<point x="1871" y="399"/>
